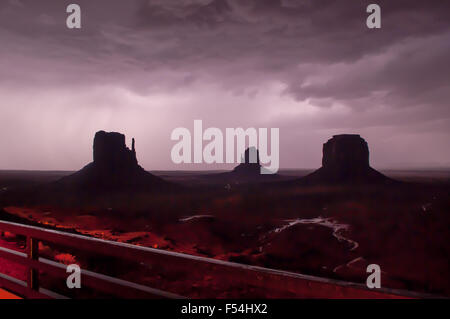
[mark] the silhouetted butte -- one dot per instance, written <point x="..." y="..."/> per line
<point x="249" y="171"/>
<point x="250" y="164"/>
<point x="115" y="167"/>
<point x="345" y="161"/>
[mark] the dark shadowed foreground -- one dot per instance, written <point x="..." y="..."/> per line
<point x="330" y="223"/>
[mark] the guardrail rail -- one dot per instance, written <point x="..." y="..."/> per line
<point x="307" y="286"/>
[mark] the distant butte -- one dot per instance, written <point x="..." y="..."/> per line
<point x="248" y="171"/>
<point x="250" y="164"/>
<point x="345" y="160"/>
<point x="115" y="167"/>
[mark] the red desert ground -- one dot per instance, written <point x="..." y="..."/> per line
<point x="331" y="223"/>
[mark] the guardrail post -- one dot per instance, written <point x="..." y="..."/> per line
<point x="33" y="254"/>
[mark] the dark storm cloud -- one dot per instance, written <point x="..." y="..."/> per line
<point x="299" y="41"/>
<point x="271" y="40"/>
<point x="306" y="29"/>
<point x="298" y="65"/>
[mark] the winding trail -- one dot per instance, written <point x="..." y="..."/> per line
<point x="337" y="228"/>
<point x="196" y="217"/>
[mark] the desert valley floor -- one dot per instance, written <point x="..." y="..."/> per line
<point x="332" y="232"/>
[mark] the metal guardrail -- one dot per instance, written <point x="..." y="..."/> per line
<point x="307" y="286"/>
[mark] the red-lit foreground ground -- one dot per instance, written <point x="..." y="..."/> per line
<point x="276" y="285"/>
<point x="7" y="295"/>
<point x="326" y="232"/>
<point x="10" y="269"/>
<point x="217" y="283"/>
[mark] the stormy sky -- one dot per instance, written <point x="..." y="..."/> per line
<point x="309" y="67"/>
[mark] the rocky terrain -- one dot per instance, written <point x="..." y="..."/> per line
<point x="346" y="161"/>
<point x="330" y="223"/>
<point x="114" y="168"/>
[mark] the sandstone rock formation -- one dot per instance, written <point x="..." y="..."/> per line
<point x="110" y="151"/>
<point x="249" y="163"/>
<point x="345" y="160"/>
<point x="115" y="167"/>
<point x="247" y="172"/>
